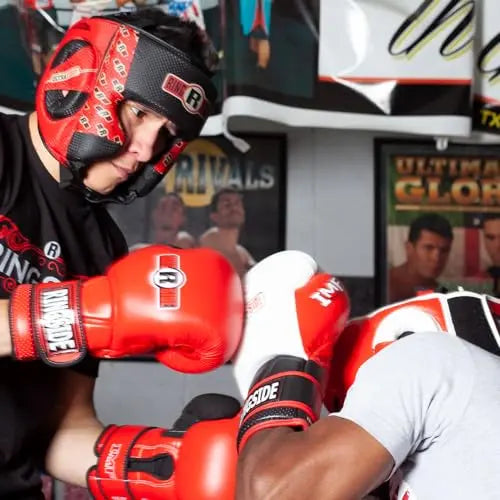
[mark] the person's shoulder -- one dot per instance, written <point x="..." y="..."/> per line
<point x="10" y="120"/>
<point x="3" y="117"/>
<point x="209" y="235"/>
<point x="426" y="345"/>
<point x="399" y="286"/>
<point x="427" y="358"/>
<point x="9" y="117"/>
<point x="17" y="156"/>
<point x="185" y="239"/>
<point x="397" y="275"/>
<point x="421" y="368"/>
<point x="396" y="269"/>
<point x="242" y="250"/>
<point x="245" y="255"/>
<point x="10" y="125"/>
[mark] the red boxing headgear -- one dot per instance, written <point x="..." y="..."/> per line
<point x="468" y="315"/>
<point x="100" y="63"/>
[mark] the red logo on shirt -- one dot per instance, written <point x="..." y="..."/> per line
<point x="23" y="262"/>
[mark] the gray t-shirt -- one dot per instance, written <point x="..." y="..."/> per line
<point x="433" y="401"/>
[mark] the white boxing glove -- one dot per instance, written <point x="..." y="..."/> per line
<point x="294" y="316"/>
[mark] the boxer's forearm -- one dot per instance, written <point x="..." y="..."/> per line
<point x="255" y="480"/>
<point x="71" y="452"/>
<point x="334" y="459"/>
<point x="5" y="340"/>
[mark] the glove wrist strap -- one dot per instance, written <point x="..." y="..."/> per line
<point x="107" y="479"/>
<point x="287" y="391"/>
<point x="45" y="323"/>
<point x="133" y="461"/>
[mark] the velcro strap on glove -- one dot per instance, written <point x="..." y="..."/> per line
<point x="287" y="391"/>
<point x="45" y="323"/>
<point x="130" y="455"/>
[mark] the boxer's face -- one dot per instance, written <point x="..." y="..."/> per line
<point x="429" y="254"/>
<point x="230" y="212"/>
<point x="491" y="235"/>
<point x="146" y="132"/>
<point x="168" y="216"/>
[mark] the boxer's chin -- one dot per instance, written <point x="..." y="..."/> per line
<point x="103" y="177"/>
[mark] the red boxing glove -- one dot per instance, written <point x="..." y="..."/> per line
<point x="196" y="459"/>
<point x="186" y="306"/>
<point x="294" y="316"/>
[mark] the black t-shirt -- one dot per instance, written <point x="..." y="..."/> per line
<point x="46" y="234"/>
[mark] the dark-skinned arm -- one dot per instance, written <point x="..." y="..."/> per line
<point x="409" y="392"/>
<point x="333" y="459"/>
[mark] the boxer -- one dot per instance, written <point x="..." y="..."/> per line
<point x="118" y="101"/>
<point x="417" y="393"/>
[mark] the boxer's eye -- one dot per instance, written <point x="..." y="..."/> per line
<point x="137" y="111"/>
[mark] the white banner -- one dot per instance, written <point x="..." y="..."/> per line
<point x="391" y="65"/>
<point x="487" y="72"/>
<point x="405" y="41"/>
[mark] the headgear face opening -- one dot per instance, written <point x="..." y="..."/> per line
<point x="100" y="63"/>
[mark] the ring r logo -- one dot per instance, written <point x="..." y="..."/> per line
<point x="169" y="279"/>
<point x="191" y="95"/>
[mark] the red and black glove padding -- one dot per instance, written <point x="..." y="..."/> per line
<point x="465" y="314"/>
<point x="183" y="305"/>
<point x="194" y="460"/>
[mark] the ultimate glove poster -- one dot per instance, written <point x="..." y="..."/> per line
<point x="438" y="218"/>
<point x="428" y="67"/>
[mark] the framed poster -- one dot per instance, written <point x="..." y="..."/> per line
<point x="30" y="30"/>
<point x="437" y="218"/>
<point x="217" y="197"/>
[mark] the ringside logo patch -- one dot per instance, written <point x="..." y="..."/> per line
<point x="264" y="394"/>
<point x="191" y="95"/>
<point x="57" y="319"/>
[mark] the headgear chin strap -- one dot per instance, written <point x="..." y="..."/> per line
<point x="100" y="63"/>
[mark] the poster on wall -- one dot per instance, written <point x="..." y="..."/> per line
<point x="216" y="197"/>
<point x="486" y="91"/>
<point x="437" y="218"/>
<point x="401" y="65"/>
<point x="394" y="65"/>
<point x="30" y="30"/>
